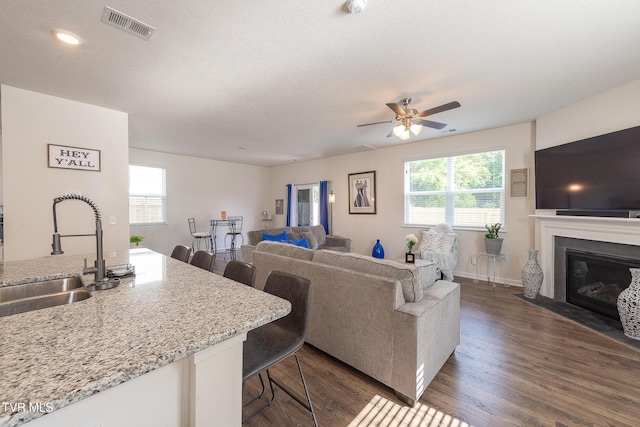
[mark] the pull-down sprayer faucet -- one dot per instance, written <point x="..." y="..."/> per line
<point x="99" y="269"/>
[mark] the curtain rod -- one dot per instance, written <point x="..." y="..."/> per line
<point x="309" y="183"/>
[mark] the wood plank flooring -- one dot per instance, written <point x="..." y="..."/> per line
<point x="517" y="365"/>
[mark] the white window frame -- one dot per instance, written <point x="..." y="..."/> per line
<point x="162" y="196"/>
<point x="315" y="205"/>
<point x="450" y="192"/>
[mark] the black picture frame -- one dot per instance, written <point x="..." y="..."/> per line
<point x="362" y="193"/>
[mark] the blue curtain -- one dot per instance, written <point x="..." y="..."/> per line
<point x="292" y="205"/>
<point x="289" y="204"/>
<point x="324" y="205"/>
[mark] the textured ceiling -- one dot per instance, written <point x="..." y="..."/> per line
<point x="271" y="82"/>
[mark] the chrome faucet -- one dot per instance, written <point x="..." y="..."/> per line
<point x="101" y="280"/>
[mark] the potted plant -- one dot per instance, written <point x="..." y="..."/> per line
<point x="136" y="239"/>
<point x="493" y="243"/>
<point x="411" y="240"/>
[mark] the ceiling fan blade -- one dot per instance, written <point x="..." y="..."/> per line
<point x="440" y="109"/>
<point x="390" y="134"/>
<point x="429" y="123"/>
<point x="375" y="123"/>
<point x="397" y="109"/>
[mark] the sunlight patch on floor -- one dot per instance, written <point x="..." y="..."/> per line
<point x="381" y="412"/>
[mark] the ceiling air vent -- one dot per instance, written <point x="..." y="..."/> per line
<point x="363" y="147"/>
<point x="126" y="23"/>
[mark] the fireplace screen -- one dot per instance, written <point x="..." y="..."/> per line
<point x="594" y="281"/>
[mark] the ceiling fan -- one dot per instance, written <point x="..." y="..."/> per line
<point x="410" y="120"/>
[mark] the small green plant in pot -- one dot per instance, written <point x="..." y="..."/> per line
<point x="493" y="243"/>
<point x="136" y="239"/>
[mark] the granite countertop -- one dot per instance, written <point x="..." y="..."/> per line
<point x="170" y="309"/>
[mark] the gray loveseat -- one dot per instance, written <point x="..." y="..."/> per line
<point x="390" y="320"/>
<point x="314" y="234"/>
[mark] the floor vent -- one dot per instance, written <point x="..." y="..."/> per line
<point x="126" y="23"/>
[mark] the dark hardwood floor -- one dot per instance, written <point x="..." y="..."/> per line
<point x="517" y="365"/>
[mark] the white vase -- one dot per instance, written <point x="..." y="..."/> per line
<point x="531" y="275"/>
<point x="629" y="306"/>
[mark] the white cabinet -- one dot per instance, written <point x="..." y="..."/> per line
<point x="204" y="389"/>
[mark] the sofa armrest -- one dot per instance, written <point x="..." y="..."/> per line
<point x="338" y="242"/>
<point x="246" y="253"/>
<point x="425" y="335"/>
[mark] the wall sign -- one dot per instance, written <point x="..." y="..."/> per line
<point x="519" y="183"/>
<point x="64" y="157"/>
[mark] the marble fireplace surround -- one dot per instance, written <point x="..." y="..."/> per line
<point x="613" y="230"/>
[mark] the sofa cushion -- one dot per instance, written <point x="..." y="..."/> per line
<point x="284" y="249"/>
<point x="275" y="238"/>
<point x="321" y="235"/>
<point x="311" y="238"/>
<point x="293" y="235"/>
<point x="412" y="278"/>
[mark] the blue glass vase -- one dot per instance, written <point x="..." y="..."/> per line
<point x="378" y="250"/>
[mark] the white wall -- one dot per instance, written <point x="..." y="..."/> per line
<point x="606" y="112"/>
<point x="202" y="188"/>
<point x="31" y="121"/>
<point x="387" y="224"/>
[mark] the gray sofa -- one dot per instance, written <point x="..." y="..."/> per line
<point x="314" y="234"/>
<point x="390" y="320"/>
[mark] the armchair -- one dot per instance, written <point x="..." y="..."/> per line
<point x="439" y="244"/>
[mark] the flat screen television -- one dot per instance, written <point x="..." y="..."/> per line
<point x="598" y="173"/>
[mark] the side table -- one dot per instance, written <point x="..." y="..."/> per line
<point x="419" y="262"/>
<point x="492" y="259"/>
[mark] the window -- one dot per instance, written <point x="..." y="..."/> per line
<point x="308" y="205"/>
<point x="463" y="191"/>
<point x="147" y="195"/>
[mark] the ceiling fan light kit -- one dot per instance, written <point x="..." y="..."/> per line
<point x="356" y="6"/>
<point x="415" y="128"/>
<point x="401" y="132"/>
<point x="410" y="120"/>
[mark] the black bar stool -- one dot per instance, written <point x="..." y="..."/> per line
<point x="271" y="343"/>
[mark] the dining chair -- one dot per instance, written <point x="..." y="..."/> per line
<point x="240" y="271"/>
<point x="269" y="344"/>
<point x="204" y="260"/>
<point x="181" y="252"/>
<point x="198" y="236"/>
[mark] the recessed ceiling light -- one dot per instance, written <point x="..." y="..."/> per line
<point x="67" y="36"/>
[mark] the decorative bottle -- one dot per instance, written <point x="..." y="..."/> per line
<point x="378" y="250"/>
<point x="531" y="275"/>
<point x="629" y="306"/>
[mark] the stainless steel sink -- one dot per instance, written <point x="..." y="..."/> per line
<point x="35" y="296"/>
<point x="35" y="289"/>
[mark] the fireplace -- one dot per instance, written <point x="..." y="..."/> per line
<point x="593" y="280"/>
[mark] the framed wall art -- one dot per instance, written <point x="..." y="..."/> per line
<point x="279" y="206"/>
<point x="362" y="193"/>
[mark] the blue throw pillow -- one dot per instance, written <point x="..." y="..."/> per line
<point x="300" y="242"/>
<point x="277" y="238"/>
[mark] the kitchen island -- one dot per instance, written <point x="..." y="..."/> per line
<point x="162" y="348"/>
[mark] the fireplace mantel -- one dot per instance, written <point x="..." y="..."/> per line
<point x="614" y="230"/>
